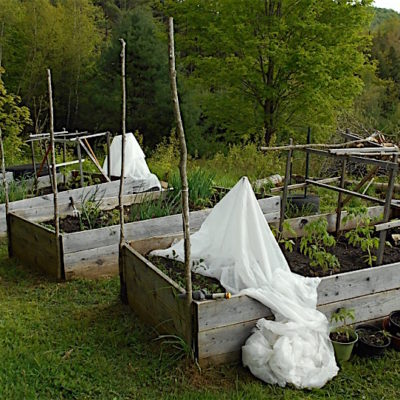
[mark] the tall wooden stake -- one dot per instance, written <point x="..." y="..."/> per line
<point x="182" y="164"/>
<point x="340" y="198"/>
<point x="53" y="161"/>
<point x="3" y="169"/>
<point x="285" y="187"/>
<point x="386" y="212"/>
<point x="121" y="182"/>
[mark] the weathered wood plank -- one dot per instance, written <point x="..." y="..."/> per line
<point x="214" y="344"/>
<point x="154" y="297"/>
<point x="238" y="309"/>
<point x="377" y="305"/>
<point x="35" y="246"/>
<point x="358" y="283"/>
<point x="298" y="224"/>
<point x="155" y="227"/>
<point x="93" y="263"/>
<point x="224" y="340"/>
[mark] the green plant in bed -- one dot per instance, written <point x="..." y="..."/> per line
<point x="314" y="243"/>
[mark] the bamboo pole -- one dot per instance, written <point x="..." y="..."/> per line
<point x="3" y="169"/>
<point x="123" y="293"/>
<point x="315" y="145"/>
<point x="182" y="164"/>
<point x="53" y="162"/>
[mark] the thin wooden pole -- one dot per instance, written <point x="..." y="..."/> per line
<point x="123" y="293"/>
<point x="183" y="162"/>
<point x="315" y="145"/>
<point x="340" y="197"/>
<point x="53" y="162"/>
<point x="35" y="176"/>
<point x="386" y="213"/>
<point x="3" y="169"/>
<point x="307" y="173"/>
<point x="64" y="160"/>
<point x="109" y="155"/>
<point x="285" y="187"/>
<point x="79" y="151"/>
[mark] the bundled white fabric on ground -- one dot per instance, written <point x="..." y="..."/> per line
<point x="135" y="162"/>
<point x="236" y="246"/>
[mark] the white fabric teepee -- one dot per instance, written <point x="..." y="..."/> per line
<point x="135" y="162"/>
<point x="236" y="246"/>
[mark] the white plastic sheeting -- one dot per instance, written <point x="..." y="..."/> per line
<point x="135" y="162"/>
<point x="236" y="246"/>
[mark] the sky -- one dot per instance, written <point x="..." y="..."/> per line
<point x="393" y="4"/>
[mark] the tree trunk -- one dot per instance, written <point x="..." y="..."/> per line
<point x="182" y="165"/>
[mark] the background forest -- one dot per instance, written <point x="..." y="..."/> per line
<point x="249" y="71"/>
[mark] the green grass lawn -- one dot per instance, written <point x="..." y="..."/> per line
<point x="75" y="340"/>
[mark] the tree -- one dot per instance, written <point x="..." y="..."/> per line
<point x="149" y="108"/>
<point x="13" y="119"/>
<point x="271" y="66"/>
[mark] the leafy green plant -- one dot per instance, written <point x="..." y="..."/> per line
<point x="201" y="188"/>
<point x="160" y="207"/>
<point x="288" y="244"/>
<point x="294" y="211"/>
<point x="90" y="210"/>
<point x="342" y="316"/>
<point x="314" y="243"/>
<point x="362" y="235"/>
<point x="17" y="190"/>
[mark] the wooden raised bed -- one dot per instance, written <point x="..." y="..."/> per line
<point x="218" y="328"/>
<point x="93" y="253"/>
<point x="40" y="208"/>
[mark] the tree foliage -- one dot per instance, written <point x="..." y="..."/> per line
<point x="270" y="65"/>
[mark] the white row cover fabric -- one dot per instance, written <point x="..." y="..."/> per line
<point x="236" y="246"/>
<point x="135" y="162"/>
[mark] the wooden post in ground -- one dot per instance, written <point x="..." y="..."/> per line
<point x="182" y="164"/>
<point x="79" y="151"/>
<point x="286" y="184"/>
<point x="108" y="155"/>
<point x="64" y="160"/>
<point x="386" y="212"/>
<point x="123" y="293"/>
<point x="53" y="163"/>
<point x="3" y="169"/>
<point x="340" y="198"/>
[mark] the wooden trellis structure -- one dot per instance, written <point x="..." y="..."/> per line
<point x="77" y="139"/>
<point x="379" y="156"/>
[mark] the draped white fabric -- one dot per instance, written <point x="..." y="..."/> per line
<point x="135" y="162"/>
<point x="236" y="246"/>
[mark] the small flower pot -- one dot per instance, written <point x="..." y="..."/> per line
<point x="394" y="323"/>
<point x="395" y="340"/>
<point x="372" y="342"/>
<point x="343" y="350"/>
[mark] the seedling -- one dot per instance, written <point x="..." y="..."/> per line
<point x="287" y="243"/>
<point x="314" y="244"/>
<point x="362" y="235"/>
<point x="345" y="331"/>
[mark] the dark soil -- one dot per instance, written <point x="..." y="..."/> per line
<point x="372" y="337"/>
<point x="176" y="271"/>
<point x="342" y="337"/>
<point x="350" y="259"/>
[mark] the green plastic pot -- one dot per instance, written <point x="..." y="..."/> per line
<point x="343" y="350"/>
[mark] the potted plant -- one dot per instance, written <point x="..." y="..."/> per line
<point x="372" y="341"/>
<point x="394" y="323"/>
<point x="343" y="337"/>
<point x="394" y="338"/>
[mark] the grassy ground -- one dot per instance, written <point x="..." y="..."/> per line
<point x="76" y="341"/>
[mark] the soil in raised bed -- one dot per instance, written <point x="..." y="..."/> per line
<point x="350" y="258"/>
<point x="176" y="271"/>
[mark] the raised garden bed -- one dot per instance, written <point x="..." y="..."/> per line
<point x="92" y="253"/>
<point x="217" y="329"/>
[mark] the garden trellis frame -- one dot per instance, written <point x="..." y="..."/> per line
<point x="79" y="140"/>
<point x="377" y="155"/>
